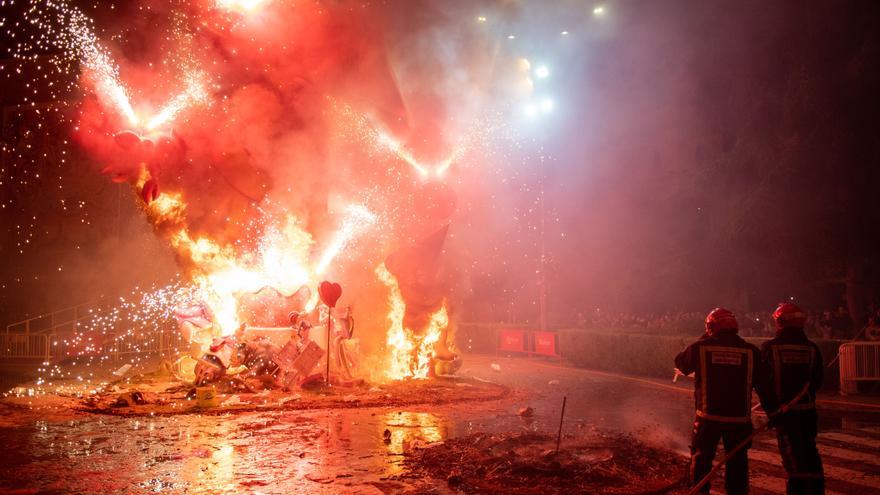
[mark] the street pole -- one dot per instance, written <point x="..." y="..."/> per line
<point x="542" y="280"/>
<point x="329" y="330"/>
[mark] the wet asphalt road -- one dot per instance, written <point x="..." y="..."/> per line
<point x="343" y="451"/>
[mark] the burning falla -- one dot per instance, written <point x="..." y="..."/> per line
<point x="227" y="280"/>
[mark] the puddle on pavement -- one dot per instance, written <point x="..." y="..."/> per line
<point x="271" y="452"/>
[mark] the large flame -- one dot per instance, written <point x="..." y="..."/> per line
<point x="279" y="261"/>
<point x="410" y="353"/>
<point x="223" y="275"/>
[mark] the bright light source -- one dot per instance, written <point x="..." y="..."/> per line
<point x="510" y="37"/>
<point x="598" y="11"/>
<point x="564" y="33"/>
<point x="481" y="19"/>
<point x="542" y="72"/>
<point x="547" y="105"/>
<point x="531" y="110"/>
<point x="243" y="6"/>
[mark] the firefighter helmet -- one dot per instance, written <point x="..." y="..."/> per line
<point x="720" y="319"/>
<point x="789" y="315"/>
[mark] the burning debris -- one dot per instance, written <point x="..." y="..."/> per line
<point x="152" y="395"/>
<point x="233" y="172"/>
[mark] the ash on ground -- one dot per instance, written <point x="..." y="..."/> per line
<point x="527" y="463"/>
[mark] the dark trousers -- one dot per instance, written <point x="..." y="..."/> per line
<point x="796" y="436"/>
<point x="703" y="444"/>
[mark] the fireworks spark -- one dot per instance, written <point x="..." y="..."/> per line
<point x="193" y="94"/>
<point x="355" y="223"/>
<point x="279" y="254"/>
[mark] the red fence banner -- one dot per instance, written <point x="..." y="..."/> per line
<point x="545" y="343"/>
<point x="512" y="340"/>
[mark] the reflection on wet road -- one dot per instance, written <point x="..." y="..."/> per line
<point x="323" y="451"/>
<point x="269" y="452"/>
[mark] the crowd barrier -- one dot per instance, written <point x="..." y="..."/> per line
<point x="859" y="362"/>
<point x="507" y="339"/>
<point x="615" y="350"/>
<point x="528" y="342"/>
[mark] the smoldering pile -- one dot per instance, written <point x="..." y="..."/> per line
<point x="528" y="463"/>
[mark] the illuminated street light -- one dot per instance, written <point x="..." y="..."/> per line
<point x="599" y="11"/>
<point x="481" y="19"/>
<point x="542" y="72"/>
<point x="531" y="110"/>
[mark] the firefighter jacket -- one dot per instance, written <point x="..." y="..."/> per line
<point x="726" y="368"/>
<point x="793" y="360"/>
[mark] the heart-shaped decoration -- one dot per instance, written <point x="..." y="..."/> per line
<point x="150" y="191"/>
<point x="330" y="293"/>
<point x="127" y="139"/>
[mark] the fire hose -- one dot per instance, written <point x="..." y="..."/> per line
<point x="831" y="363"/>
<point x="741" y="445"/>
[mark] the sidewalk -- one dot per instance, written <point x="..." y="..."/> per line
<point x="825" y="400"/>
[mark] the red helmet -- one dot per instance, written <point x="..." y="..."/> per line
<point x="789" y="315"/>
<point x="720" y="319"/>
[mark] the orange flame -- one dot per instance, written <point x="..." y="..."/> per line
<point x="410" y="354"/>
<point x="281" y="260"/>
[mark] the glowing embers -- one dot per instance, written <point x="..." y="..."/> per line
<point x="410" y="353"/>
<point x="167" y="207"/>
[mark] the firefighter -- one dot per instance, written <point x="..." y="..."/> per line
<point x="795" y="363"/>
<point x="726" y="368"/>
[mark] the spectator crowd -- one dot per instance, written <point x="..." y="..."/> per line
<point x="827" y="324"/>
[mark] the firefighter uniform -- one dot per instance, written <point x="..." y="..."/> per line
<point x="726" y="368"/>
<point x="794" y="363"/>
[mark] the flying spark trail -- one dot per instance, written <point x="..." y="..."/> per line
<point x="483" y="131"/>
<point x="194" y="93"/>
<point x="404" y="154"/>
<point x="358" y="220"/>
<point x="69" y="30"/>
<point x="75" y="36"/>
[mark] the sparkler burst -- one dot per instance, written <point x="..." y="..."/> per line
<point x="193" y="94"/>
<point x="357" y="220"/>
<point x="240" y="108"/>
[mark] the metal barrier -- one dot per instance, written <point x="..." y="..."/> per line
<point x="50" y="337"/>
<point x="58" y="322"/>
<point x="859" y="361"/>
<point x="52" y="348"/>
<point x="23" y="346"/>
